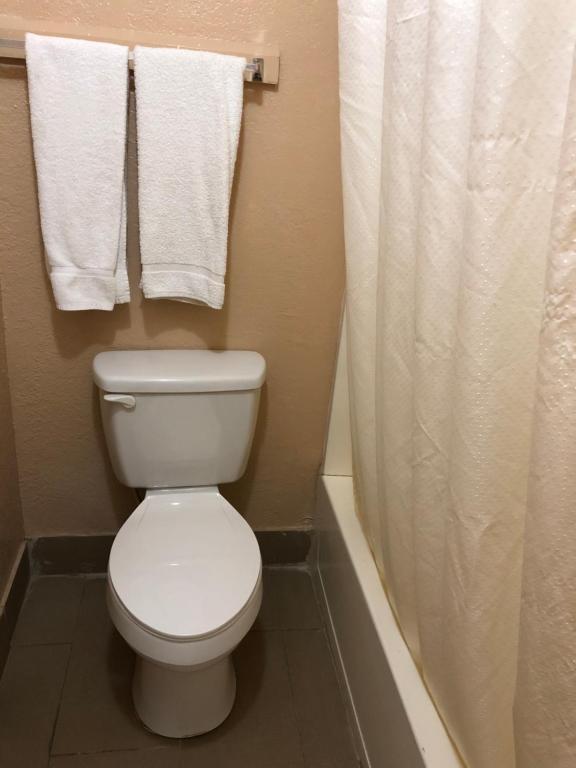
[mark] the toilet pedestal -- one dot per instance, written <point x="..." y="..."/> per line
<point x="178" y="702"/>
<point x="185" y="570"/>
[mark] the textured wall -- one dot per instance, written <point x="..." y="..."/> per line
<point x="11" y="529"/>
<point x="283" y="287"/>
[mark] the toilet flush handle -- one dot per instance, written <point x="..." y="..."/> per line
<point x="128" y="401"/>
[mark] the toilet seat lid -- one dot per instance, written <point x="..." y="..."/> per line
<point x="185" y="563"/>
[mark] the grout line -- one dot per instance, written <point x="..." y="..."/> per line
<point x="42" y="645"/>
<point x="302" y="567"/>
<point x="287" y="629"/>
<point x="57" y="715"/>
<point x="293" y="701"/>
<point x="65" y="678"/>
<point x="128" y="750"/>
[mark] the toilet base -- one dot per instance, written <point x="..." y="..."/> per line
<point x="181" y="702"/>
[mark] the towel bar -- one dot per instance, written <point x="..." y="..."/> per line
<point x="262" y="68"/>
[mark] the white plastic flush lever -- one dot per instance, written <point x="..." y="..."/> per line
<point x="128" y="401"/>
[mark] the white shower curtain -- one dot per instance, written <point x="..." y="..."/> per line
<point x="458" y="126"/>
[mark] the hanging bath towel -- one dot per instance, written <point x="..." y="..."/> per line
<point x="189" y="107"/>
<point x="78" y="102"/>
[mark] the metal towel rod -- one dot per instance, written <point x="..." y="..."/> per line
<point x="259" y="68"/>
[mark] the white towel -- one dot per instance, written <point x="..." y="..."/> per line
<point x="188" y="107"/>
<point x="78" y="103"/>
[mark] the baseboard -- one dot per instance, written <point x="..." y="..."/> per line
<point x="285" y="547"/>
<point x="62" y="555"/>
<point x="15" y="594"/>
<point x="57" y="555"/>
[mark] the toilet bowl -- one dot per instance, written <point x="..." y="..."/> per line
<point x="184" y="588"/>
<point x="185" y="571"/>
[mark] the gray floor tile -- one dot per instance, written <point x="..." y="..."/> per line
<point x="29" y="694"/>
<point x="288" y="600"/>
<point x="320" y="714"/>
<point x="261" y="730"/>
<point x="96" y="713"/>
<point x="288" y="711"/>
<point x="49" y="612"/>
<point x="160" y="757"/>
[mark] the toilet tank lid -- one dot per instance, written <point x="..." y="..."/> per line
<point x="178" y="370"/>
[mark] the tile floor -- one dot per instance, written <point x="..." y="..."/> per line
<point x="65" y="692"/>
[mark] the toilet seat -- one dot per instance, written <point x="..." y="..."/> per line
<point x="185" y="565"/>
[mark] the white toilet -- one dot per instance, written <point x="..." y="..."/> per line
<point x="185" y="572"/>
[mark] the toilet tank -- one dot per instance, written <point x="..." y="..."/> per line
<point x="178" y="418"/>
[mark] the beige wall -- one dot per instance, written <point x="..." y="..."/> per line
<point x="283" y="287"/>
<point x="11" y="529"/>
